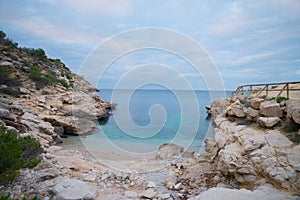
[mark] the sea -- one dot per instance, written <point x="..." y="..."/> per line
<point x="144" y="119"/>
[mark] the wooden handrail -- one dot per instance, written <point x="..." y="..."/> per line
<point x="266" y="87"/>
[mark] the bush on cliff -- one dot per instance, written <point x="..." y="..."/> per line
<point x="7" y="197"/>
<point x="6" y="77"/>
<point x="36" y="53"/>
<point x="6" y="41"/>
<point x="16" y="152"/>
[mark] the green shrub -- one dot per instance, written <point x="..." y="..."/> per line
<point x="16" y="152"/>
<point x="7" y="197"/>
<point x="55" y="61"/>
<point x="64" y="83"/>
<point x="279" y="99"/>
<point x="36" y="53"/>
<point x="42" y="80"/>
<point x="69" y="75"/>
<point x="26" y="63"/>
<point x="6" y="77"/>
<point x="10" y="91"/>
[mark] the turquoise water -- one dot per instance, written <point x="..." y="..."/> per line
<point x="175" y="120"/>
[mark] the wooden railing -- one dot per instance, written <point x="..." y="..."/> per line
<point x="268" y="89"/>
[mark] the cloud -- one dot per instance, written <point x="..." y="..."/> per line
<point x="46" y="29"/>
<point x="101" y="7"/>
<point x="250" y="58"/>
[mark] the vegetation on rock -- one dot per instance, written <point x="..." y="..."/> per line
<point x="279" y="99"/>
<point x="7" y="197"/>
<point x="6" y="78"/>
<point x="16" y="152"/>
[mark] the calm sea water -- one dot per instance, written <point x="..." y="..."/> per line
<point x="145" y="134"/>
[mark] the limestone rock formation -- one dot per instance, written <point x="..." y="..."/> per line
<point x="268" y="122"/>
<point x="71" y="189"/>
<point x="270" y="109"/>
<point x="293" y="110"/>
<point x="255" y="102"/>
<point x="170" y="150"/>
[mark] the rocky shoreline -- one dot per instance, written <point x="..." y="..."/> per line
<point x="242" y="161"/>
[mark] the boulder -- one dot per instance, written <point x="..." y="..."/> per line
<point x="130" y="194"/>
<point x="71" y="189"/>
<point x="251" y="113"/>
<point x="5" y="114"/>
<point x="270" y="109"/>
<point x="219" y="106"/>
<point x="148" y="194"/>
<point x="170" y="179"/>
<point x="264" y="192"/>
<point x="268" y="122"/>
<point x="276" y="140"/>
<point x="255" y="102"/>
<point x="13" y="129"/>
<point x="24" y="90"/>
<point x="151" y="185"/>
<point x="34" y="123"/>
<point x="68" y="123"/>
<point x="222" y="137"/>
<point x="293" y="110"/>
<point x="236" y="110"/>
<point x="293" y="156"/>
<point x="251" y="139"/>
<point x="210" y="144"/>
<point x="228" y="158"/>
<point x="170" y="150"/>
<point x="47" y="174"/>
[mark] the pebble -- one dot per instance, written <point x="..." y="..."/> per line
<point x="130" y="194"/>
<point x="151" y="185"/>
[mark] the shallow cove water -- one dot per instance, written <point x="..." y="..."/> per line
<point x="143" y="138"/>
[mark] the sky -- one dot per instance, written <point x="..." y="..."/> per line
<point x="247" y="41"/>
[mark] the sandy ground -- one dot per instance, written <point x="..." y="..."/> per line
<point x="84" y="160"/>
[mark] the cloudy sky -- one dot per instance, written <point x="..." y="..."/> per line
<point x="248" y="41"/>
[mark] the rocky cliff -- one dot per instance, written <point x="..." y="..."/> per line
<point x="256" y="144"/>
<point x="41" y="97"/>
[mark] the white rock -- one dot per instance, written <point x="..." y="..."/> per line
<point x="149" y="194"/>
<point x="151" y="185"/>
<point x="163" y="196"/>
<point x="24" y="90"/>
<point x="130" y="194"/>
<point x="178" y="186"/>
<point x="270" y="109"/>
<point x="222" y="138"/>
<point x="166" y="151"/>
<point x="255" y="102"/>
<point x="293" y="110"/>
<point x="293" y="155"/>
<point x="252" y="114"/>
<point x="252" y="139"/>
<point x="275" y="139"/>
<point x="236" y="110"/>
<point x="71" y="189"/>
<point x="268" y="122"/>
<point x="171" y="178"/>
<point x="5" y="114"/>
<point x="265" y="193"/>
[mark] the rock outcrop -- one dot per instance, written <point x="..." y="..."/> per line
<point x="44" y="99"/>
<point x="73" y="189"/>
<point x="169" y="151"/>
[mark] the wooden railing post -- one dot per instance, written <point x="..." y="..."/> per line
<point x="267" y="89"/>
<point x="287" y="91"/>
